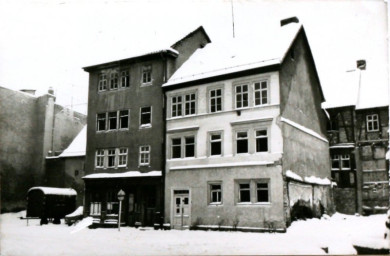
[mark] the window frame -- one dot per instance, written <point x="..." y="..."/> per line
<point x="99" y="157"/>
<point x="373" y="121"/>
<point x="114" y="80"/>
<point x="190" y="102"/>
<point x="244" y="182"/>
<point x="109" y="120"/>
<point x="256" y="137"/>
<point x="146" y="71"/>
<point x="185" y="146"/>
<point x="178" y="106"/>
<point x="253" y="191"/>
<point x="146" y="153"/>
<point x="241" y="85"/>
<point x="237" y="139"/>
<point x="120" y="119"/>
<point x="111" y="155"/>
<point x="122" y="155"/>
<point x="175" y="145"/>
<point x="182" y="138"/>
<point x="218" y="191"/>
<point x="97" y="122"/>
<point x="262" y="181"/>
<point x="210" y="141"/>
<point x="146" y="125"/>
<point x="124" y="79"/>
<point x="102" y="82"/>
<point x="260" y="90"/>
<point x="215" y="98"/>
<point x="339" y="158"/>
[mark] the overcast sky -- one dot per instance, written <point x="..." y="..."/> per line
<point x="46" y="43"/>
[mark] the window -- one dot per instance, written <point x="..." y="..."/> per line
<point x="125" y="79"/>
<point x="216" y="144"/>
<point x="112" y="203"/>
<point x="262" y="192"/>
<point x="95" y="208"/>
<point x="261" y="93"/>
<point x="122" y="157"/>
<point x="124" y="119"/>
<point x="146" y="74"/>
<point x="372" y="123"/>
<point x="242" y="96"/>
<point x="102" y="82"/>
<point x="215" y="100"/>
<point x="144" y="155"/>
<point x="176" y="148"/>
<point x="341" y="162"/>
<point x="146" y="116"/>
<point x="189" y="146"/>
<point x="189" y="104"/>
<point x="111" y="158"/>
<point x="261" y="141"/>
<point x="114" y="81"/>
<point x="215" y="193"/>
<point x="101" y="122"/>
<point x="242" y="142"/>
<point x="244" y="193"/>
<point x="100" y="158"/>
<point x="112" y="120"/>
<point x="176" y="106"/>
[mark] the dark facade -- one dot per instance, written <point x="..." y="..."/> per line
<point x="32" y="128"/>
<point x="358" y="144"/>
<point x="125" y="133"/>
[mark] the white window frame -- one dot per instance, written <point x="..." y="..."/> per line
<point x="372" y="120"/>
<point x="189" y="101"/>
<point x="110" y="155"/>
<point x="109" y="121"/>
<point x="260" y="91"/>
<point x="261" y="137"/>
<point x="185" y="146"/>
<point x="237" y="139"/>
<point x="176" y="145"/>
<point x="122" y="157"/>
<point x="144" y="154"/>
<point x="340" y="158"/>
<point x="146" y="74"/>
<point x="345" y="158"/>
<point x="178" y="105"/>
<point x="125" y="79"/>
<point x="95" y="208"/>
<point x="99" y="158"/>
<point x="102" y="84"/>
<point x="248" y="182"/>
<point x="114" y="81"/>
<point x="120" y="119"/>
<point x="215" y="99"/>
<point x="257" y="182"/>
<point x="220" y="140"/>
<point x="219" y="193"/>
<point x="97" y="122"/>
<point x="242" y="93"/>
<point x="148" y="125"/>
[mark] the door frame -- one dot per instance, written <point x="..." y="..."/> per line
<point x="172" y="215"/>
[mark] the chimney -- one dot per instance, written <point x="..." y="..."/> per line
<point x="51" y="90"/>
<point x="29" y="91"/>
<point x="288" y="21"/>
<point x="361" y="64"/>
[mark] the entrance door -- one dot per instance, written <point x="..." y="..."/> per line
<point x="181" y="209"/>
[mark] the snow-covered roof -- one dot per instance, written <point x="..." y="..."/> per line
<point x="236" y="55"/>
<point x="78" y="145"/>
<point x="361" y="88"/>
<point x="130" y="174"/>
<point x="343" y="145"/>
<point x="55" y="191"/>
<point x="311" y="180"/>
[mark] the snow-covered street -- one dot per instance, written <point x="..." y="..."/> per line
<point x="337" y="233"/>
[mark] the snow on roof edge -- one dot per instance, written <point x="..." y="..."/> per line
<point x="55" y="191"/>
<point x="129" y="174"/>
<point x="311" y="180"/>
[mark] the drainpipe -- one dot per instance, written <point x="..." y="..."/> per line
<point x="163" y="154"/>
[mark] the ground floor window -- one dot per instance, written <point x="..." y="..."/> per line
<point x="95" y="208"/>
<point x="112" y="203"/>
<point x="253" y="191"/>
<point x="215" y="193"/>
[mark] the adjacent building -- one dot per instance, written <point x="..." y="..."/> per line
<point x="246" y="136"/>
<point x="359" y="139"/>
<point x="32" y="128"/>
<point x="67" y="169"/>
<point x="125" y="132"/>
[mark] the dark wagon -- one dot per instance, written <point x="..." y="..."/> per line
<point x="50" y="203"/>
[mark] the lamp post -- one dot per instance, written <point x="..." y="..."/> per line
<point x="121" y="196"/>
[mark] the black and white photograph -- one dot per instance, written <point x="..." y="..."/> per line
<point x="194" y="127"/>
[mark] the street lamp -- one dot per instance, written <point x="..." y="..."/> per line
<point x="121" y="196"/>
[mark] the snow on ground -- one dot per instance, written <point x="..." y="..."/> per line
<point x="303" y="237"/>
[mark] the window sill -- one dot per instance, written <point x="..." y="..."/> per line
<point x="254" y="204"/>
<point x="146" y="84"/>
<point x="145" y="126"/>
<point x="215" y="204"/>
<point x="144" y="165"/>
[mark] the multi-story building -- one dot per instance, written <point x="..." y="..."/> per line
<point x="358" y="136"/>
<point x="246" y="136"/>
<point x="125" y="134"/>
<point x="32" y="128"/>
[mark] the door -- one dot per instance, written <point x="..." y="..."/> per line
<point x="181" y="209"/>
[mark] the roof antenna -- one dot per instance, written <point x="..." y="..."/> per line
<point x="232" y="17"/>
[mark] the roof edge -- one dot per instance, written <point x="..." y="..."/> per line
<point x="200" y="28"/>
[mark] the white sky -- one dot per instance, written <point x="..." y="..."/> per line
<point x="46" y="43"/>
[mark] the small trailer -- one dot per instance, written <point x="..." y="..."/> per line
<point x="50" y="203"/>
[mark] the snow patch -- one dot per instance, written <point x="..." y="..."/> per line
<point x="202" y="166"/>
<point x="78" y="145"/>
<point x="82" y="224"/>
<point x="311" y="180"/>
<point x="292" y="175"/>
<point x="77" y="212"/>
